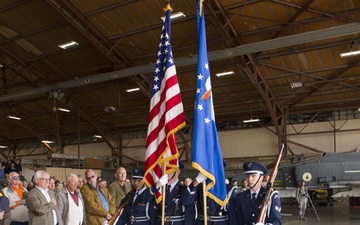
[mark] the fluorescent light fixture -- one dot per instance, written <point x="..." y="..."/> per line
<point x="1" y="65"/>
<point x="352" y="171"/>
<point x="110" y="109"/>
<point x="132" y="89"/>
<point x="175" y="16"/>
<point x="69" y="44"/>
<point x="97" y="136"/>
<point x="3" y="146"/>
<point x="47" y="142"/>
<point x="296" y="84"/>
<point x="14" y="117"/>
<point x="251" y="120"/>
<point x="63" y="109"/>
<point x="225" y="73"/>
<point x="351" y="53"/>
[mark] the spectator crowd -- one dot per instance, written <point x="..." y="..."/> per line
<point x="90" y="200"/>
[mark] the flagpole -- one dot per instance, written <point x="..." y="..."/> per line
<point x="204" y="202"/>
<point x="163" y="196"/>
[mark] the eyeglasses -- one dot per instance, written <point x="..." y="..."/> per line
<point x="15" y="178"/>
<point x="88" y="178"/>
<point x="44" y="179"/>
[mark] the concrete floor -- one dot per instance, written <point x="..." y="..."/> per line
<point x="329" y="215"/>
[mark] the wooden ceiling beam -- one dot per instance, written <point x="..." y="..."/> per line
<point x="258" y="80"/>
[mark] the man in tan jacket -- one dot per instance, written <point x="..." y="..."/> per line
<point x="119" y="188"/>
<point x="99" y="204"/>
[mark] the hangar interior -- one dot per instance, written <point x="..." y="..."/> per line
<point x="285" y="55"/>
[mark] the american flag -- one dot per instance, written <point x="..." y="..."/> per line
<point x="166" y="113"/>
<point x="206" y="152"/>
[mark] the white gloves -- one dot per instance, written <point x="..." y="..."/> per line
<point x="200" y="178"/>
<point x="164" y="179"/>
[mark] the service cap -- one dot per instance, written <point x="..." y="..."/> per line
<point x="254" y="168"/>
<point x="137" y="173"/>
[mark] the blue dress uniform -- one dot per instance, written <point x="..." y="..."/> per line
<point x="177" y="201"/>
<point x="246" y="212"/>
<point x="138" y="210"/>
<point x="216" y="214"/>
<point x="4" y="202"/>
<point x="190" y="205"/>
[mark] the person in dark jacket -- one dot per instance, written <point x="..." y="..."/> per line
<point x="178" y="199"/>
<point x="141" y="200"/>
<point x="248" y="203"/>
<point x="5" y="211"/>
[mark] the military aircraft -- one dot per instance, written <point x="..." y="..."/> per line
<point x="339" y="173"/>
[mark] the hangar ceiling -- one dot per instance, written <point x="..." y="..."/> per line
<point x="267" y="43"/>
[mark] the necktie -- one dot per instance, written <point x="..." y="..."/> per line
<point x="253" y="199"/>
<point x="167" y="190"/>
<point x="137" y="194"/>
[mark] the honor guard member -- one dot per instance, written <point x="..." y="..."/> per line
<point x="249" y="202"/>
<point x="177" y="198"/>
<point x="5" y="213"/>
<point x="216" y="214"/>
<point x="190" y="210"/>
<point x="138" y="211"/>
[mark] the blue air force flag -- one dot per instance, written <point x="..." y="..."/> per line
<point x="207" y="157"/>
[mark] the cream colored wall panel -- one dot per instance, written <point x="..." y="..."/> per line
<point x="312" y="127"/>
<point x="347" y="141"/>
<point x="326" y="142"/>
<point x="94" y="149"/>
<point x="58" y="173"/>
<point x="321" y="142"/>
<point x="134" y="142"/>
<point x="27" y="173"/>
<point x="248" y="142"/>
<point x="134" y="148"/>
<point x="349" y="124"/>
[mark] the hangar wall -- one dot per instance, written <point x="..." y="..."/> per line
<point x="257" y="142"/>
<point x="322" y="136"/>
<point x="338" y="136"/>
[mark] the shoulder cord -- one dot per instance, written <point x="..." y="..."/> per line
<point x="225" y="207"/>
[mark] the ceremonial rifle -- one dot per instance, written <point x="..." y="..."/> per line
<point x="268" y="190"/>
<point x="123" y="203"/>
